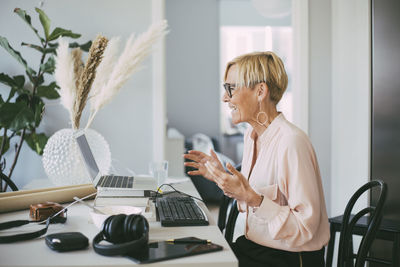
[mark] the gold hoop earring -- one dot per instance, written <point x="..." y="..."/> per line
<point x="260" y="113"/>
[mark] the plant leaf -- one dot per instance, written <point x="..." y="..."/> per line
<point x="50" y="50"/>
<point x="27" y="19"/>
<point x="4" y="43"/>
<point x="7" y="80"/>
<point x="16" y="116"/>
<point x="48" y="91"/>
<point x="38" y="80"/>
<point x="85" y="47"/>
<point x="49" y="66"/>
<point x="39" y="111"/>
<point x="16" y="83"/>
<point x="7" y="144"/>
<point x="36" y="105"/>
<point x="40" y="49"/>
<point x="36" y="141"/>
<point x="44" y="19"/>
<point x="53" y="47"/>
<point x="19" y="80"/>
<point x="23" y="98"/>
<point x="57" y="32"/>
<point x="36" y="47"/>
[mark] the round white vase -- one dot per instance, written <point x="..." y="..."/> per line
<point x="63" y="162"/>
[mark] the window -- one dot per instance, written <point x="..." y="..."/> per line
<point x="237" y="40"/>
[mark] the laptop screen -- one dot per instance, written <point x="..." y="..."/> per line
<point x="87" y="156"/>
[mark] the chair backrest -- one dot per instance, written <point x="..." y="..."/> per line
<point x="231" y="222"/>
<point x="345" y="256"/>
<point x="228" y="213"/>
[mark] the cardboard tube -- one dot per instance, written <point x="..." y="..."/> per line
<point x="18" y="200"/>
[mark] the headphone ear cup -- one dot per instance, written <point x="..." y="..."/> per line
<point x="142" y="228"/>
<point x="128" y="225"/>
<point x="104" y="228"/>
<point x="127" y="233"/>
<point x="113" y="229"/>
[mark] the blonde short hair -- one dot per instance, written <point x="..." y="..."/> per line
<point x="257" y="67"/>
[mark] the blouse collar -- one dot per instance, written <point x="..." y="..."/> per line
<point x="270" y="129"/>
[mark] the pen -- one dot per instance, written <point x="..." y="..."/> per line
<point x="189" y="241"/>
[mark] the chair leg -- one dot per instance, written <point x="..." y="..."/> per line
<point x="331" y="246"/>
<point x="351" y="249"/>
<point x="395" y="251"/>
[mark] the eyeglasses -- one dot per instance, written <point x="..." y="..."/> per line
<point x="228" y="88"/>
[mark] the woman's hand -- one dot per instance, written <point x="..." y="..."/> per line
<point x="199" y="161"/>
<point x="234" y="185"/>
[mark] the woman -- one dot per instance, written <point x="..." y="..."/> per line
<point x="279" y="186"/>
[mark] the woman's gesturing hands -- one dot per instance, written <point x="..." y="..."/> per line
<point x="234" y="185"/>
<point x="199" y="161"/>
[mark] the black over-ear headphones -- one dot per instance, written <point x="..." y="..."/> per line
<point x="127" y="233"/>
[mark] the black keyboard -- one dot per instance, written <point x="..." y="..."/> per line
<point x="114" y="181"/>
<point x="180" y="211"/>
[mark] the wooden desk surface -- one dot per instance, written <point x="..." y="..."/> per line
<point x="36" y="253"/>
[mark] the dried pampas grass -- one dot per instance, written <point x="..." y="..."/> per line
<point x="87" y="77"/>
<point x="102" y="71"/>
<point x="78" y="65"/>
<point x="65" y="76"/>
<point x="135" y="51"/>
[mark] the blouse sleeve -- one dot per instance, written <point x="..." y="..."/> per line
<point x="298" y="179"/>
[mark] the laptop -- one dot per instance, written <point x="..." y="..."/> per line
<point x="111" y="184"/>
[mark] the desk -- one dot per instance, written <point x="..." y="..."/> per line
<point x="36" y="253"/>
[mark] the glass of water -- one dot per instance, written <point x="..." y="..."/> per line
<point x="159" y="170"/>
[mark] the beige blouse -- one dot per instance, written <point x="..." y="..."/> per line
<point x="292" y="215"/>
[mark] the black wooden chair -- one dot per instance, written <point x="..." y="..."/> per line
<point x="346" y="256"/>
<point x="228" y="213"/>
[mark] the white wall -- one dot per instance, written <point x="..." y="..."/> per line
<point x="193" y="86"/>
<point x="350" y="100"/>
<point x="126" y="123"/>
<point x="339" y="117"/>
<point x="320" y="106"/>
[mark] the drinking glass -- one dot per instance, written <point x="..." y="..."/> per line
<point x="159" y="170"/>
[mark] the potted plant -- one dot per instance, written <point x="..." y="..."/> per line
<point x="21" y="111"/>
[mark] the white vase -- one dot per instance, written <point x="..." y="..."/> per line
<point x="62" y="160"/>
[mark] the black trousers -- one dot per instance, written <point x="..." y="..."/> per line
<point x="251" y="254"/>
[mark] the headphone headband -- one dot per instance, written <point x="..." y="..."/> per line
<point x="118" y="249"/>
<point x="128" y="233"/>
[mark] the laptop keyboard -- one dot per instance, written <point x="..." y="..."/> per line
<point x="114" y="181"/>
<point x="180" y="211"/>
